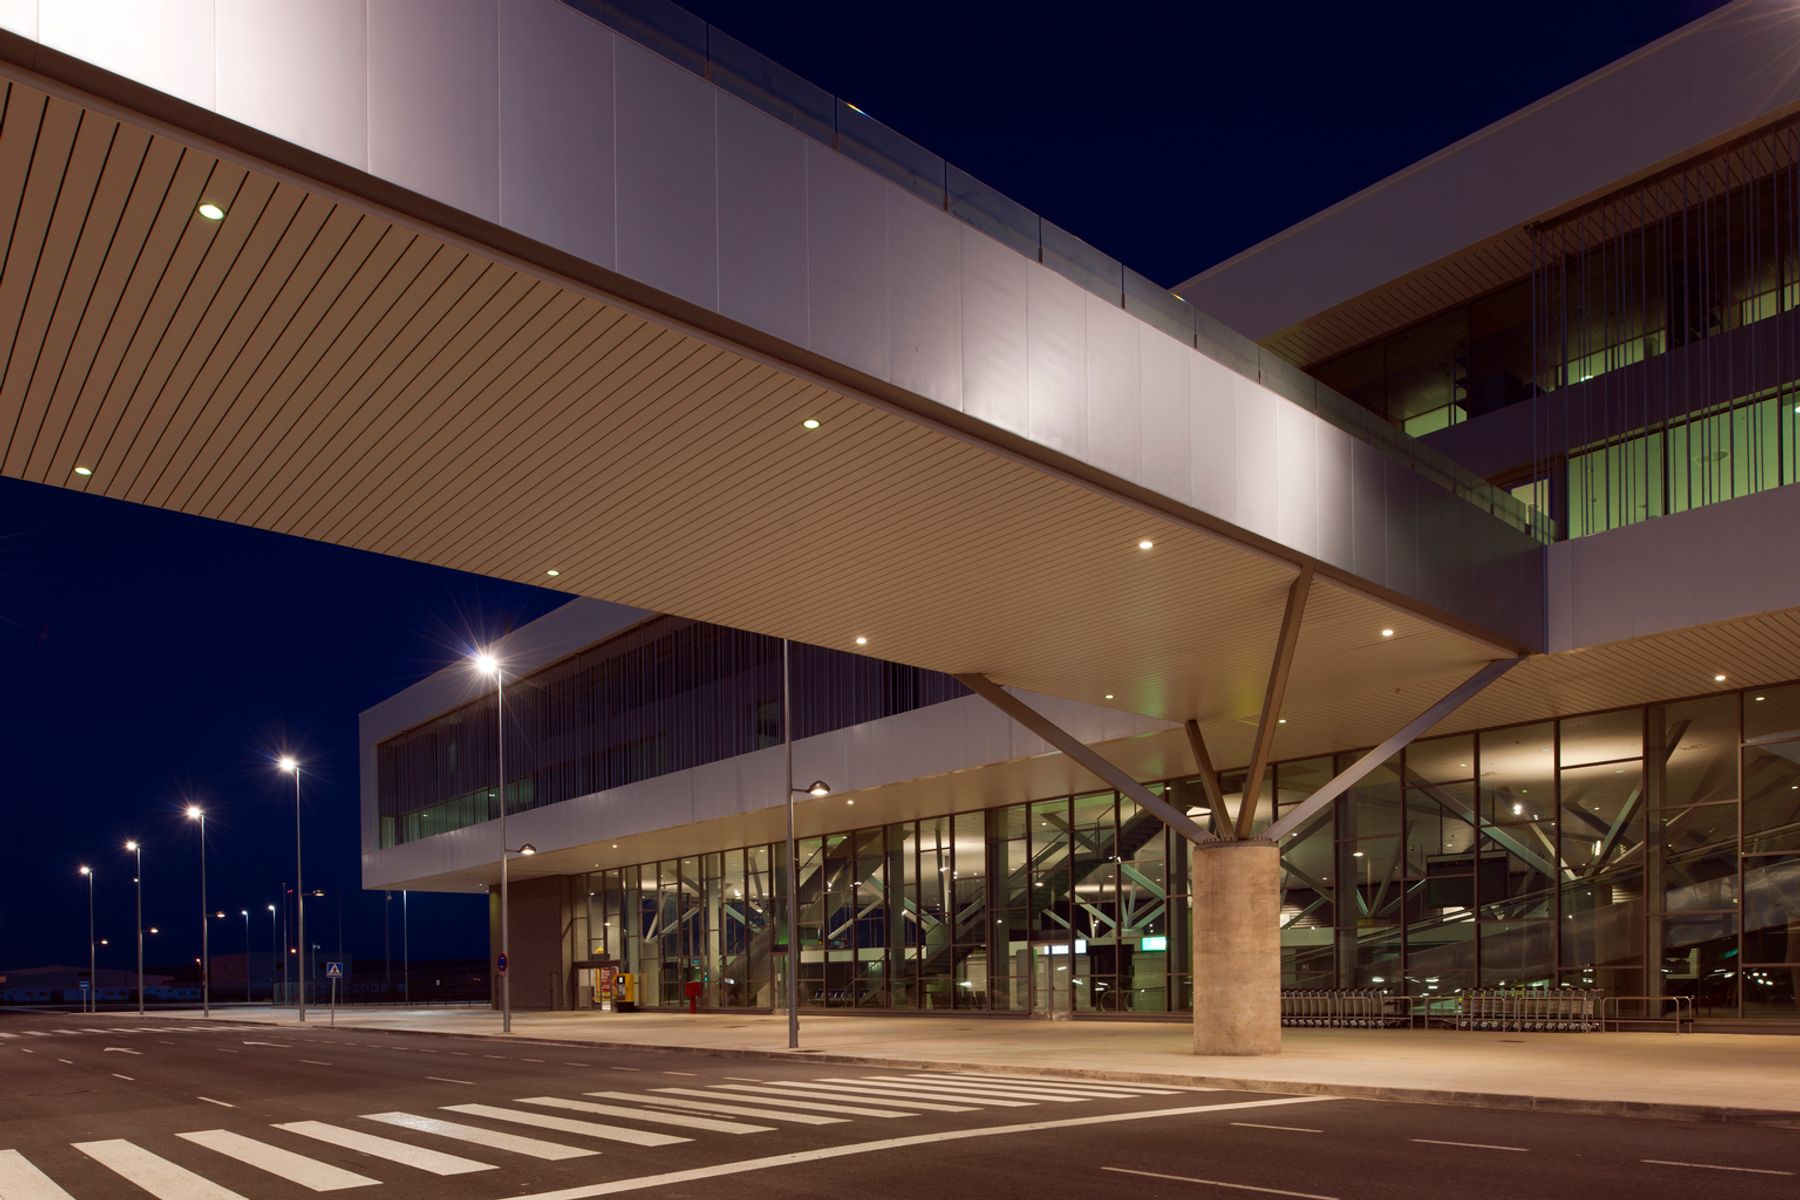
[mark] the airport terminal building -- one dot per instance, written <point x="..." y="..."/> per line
<point x="1586" y="313"/>
<point x="1402" y="604"/>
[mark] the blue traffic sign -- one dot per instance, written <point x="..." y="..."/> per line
<point x="501" y="963"/>
<point x="334" y="970"/>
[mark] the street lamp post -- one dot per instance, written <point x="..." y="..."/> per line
<point x="90" y="1002"/>
<point x="291" y="765"/>
<point x="818" y="787"/>
<point x="137" y="848"/>
<point x="487" y="664"/>
<point x="246" y="915"/>
<point x="271" y="954"/>
<point x="195" y="813"/>
<point x="405" y="952"/>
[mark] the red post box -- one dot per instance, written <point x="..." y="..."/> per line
<point x="691" y="989"/>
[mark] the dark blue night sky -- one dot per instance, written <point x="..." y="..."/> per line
<point x="147" y="657"/>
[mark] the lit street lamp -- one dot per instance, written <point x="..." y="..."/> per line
<point x="195" y="813"/>
<point x="291" y="765"/>
<point x="246" y="916"/>
<point x="487" y="664"/>
<point x="818" y="787"/>
<point x="137" y="848"/>
<point x="271" y="954"/>
<point x="90" y="1002"/>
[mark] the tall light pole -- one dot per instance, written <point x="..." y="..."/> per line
<point x="405" y="952"/>
<point x="818" y="787"/>
<point x="195" y="813"/>
<point x="90" y="1002"/>
<point x="291" y="765"/>
<point x="246" y="915"/>
<point x="271" y="954"/>
<point x="488" y="665"/>
<point x="137" y="848"/>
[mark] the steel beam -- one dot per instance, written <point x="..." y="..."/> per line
<point x="1079" y="751"/>
<point x="1264" y="745"/>
<point x="1314" y="805"/>
<point x="1209" y="780"/>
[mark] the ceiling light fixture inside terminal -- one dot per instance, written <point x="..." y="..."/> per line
<point x="810" y="423"/>
<point x="553" y="572"/>
<point x="1719" y="678"/>
<point x="84" y="472"/>
<point x="211" y="211"/>
<point x="1387" y="633"/>
<point x="1145" y="544"/>
<point x="862" y="641"/>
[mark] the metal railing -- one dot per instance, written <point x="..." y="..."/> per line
<point x="684" y="39"/>
<point x="1344" y="1008"/>
<point x="1618" y="1018"/>
<point x="1530" y="1010"/>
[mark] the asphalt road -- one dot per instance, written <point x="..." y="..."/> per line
<point x="111" y="1106"/>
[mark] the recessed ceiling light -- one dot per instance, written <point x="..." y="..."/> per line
<point x="84" y="471"/>
<point x="1718" y="679"/>
<point x="810" y="423"/>
<point x="1145" y="544"/>
<point x="1109" y="695"/>
<point x="553" y="572"/>
<point x="1387" y="633"/>
<point x="1281" y="720"/>
<point x="211" y="211"/>
<point x="862" y="641"/>
<point x="852" y="802"/>
<point x="1356" y="854"/>
<point x="1759" y="699"/>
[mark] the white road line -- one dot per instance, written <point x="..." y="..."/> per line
<point x="631" y="1069"/>
<point x="35" y="1033"/>
<point x="494" y="1139"/>
<point x="9" y="1035"/>
<point x="67" y="1062"/>
<point x="1237" y="1187"/>
<point x="730" y="1110"/>
<point x="461" y="1053"/>
<point x="126" y="1078"/>
<point x="781" y="1099"/>
<point x="220" y="1103"/>
<point x="1666" y="1162"/>
<point x="570" y="1064"/>
<point x="1469" y="1145"/>
<point x="220" y="1049"/>
<point x="684" y="1120"/>
<point x="1073" y="1086"/>
<point x="315" y="1062"/>
<point x="535" y="1060"/>
<point x="158" y="1176"/>
<point x="309" y="1173"/>
<point x="434" y="1161"/>
<point x="19" y="1180"/>
<point x="794" y="1158"/>
<point x="1278" y="1128"/>
<point x="441" y="1079"/>
<point x="612" y="1133"/>
<point x="741" y="1078"/>
<point x="689" y="1074"/>
<point x="831" y="1092"/>
<point x="493" y="1056"/>
<point x="89" y="1029"/>
<point x="925" y="1093"/>
<point x="985" y="1089"/>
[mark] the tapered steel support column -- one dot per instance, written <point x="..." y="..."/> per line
<point x="1236" y="893"/>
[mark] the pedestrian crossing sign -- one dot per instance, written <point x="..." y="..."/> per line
<point x="334" y="970"/>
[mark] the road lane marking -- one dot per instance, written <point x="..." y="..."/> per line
<point x="1239" y="1187"/>
<point x="689" y="1074"/>
<point x="649" y="1117"/>
<point x="220" y="1103"/>
<point x="282" y="1045"/>
<point x="1071" y="1087"/>
<point x="972" y="1089"/>
<point x="67" y="1062"/>
<point x="315" y="1062"/>
<point x="535" y="1060"/>
<point x="461" y="1053"/>
<point x="570" y="1064"/>
<point x="309" y="1173"/>
<point x="493" y="1139"/>
<point x="91" y="1029"/>
<point x="441" y="1079"/>
<point x="434" y="1161"/>
<point x="730" y="1110"/>
<point x="633" y="1069"/>
<point x="120" y="1050"/>
<point x="493" y="1056"/>
<point x="949" y="1096"/>
<point x="830" y="1092"/>
<point x="762" y="1095"/>
<point x="741" y="1078"/>
<point x="220" y="1049"/>
<point x="156" y="1175"/>
<point x="598" y="1129"/>
<point x="1666" y="1162"/>
<point x="1469" y="1145"/>
<point x="1279" y="1128"/>
<point x="126" y="1078"/>
<point x="19" y="1180"/>
<point x="742" y="1166"/>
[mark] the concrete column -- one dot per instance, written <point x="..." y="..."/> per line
<point x="1237" y="947"/>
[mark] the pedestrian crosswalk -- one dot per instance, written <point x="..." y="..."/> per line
<point x="468" y="1137"/>
<point x="9" y="1035"/>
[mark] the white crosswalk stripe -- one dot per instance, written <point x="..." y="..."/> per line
<point x="494" y="1139"/>
<point x="1027" y="1091"/>
<point x="612" y="1133"/>
<point x="155" y="1174"/>
<point x="947" y="1094"/>
<point x="778" y="1089"/>
<point x="8" y="1035"/>
<point x="19" y="1180"/>
<point x="975" y="1089"/>
<point x="309" y="1173"/>
<point x="1074" y="1087"/>
<point x="434" y="1161"/>
<point x="36" y="1033"/>
<point x="738" y="1110"/>
<point x="788" y="1100"/>
<point x="685" y="1120"/>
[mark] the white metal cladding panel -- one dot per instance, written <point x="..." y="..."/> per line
<point x="762" y="221"/>
<point x="995" y="333"/>
<point x="1368" y="511"/>
<point x="434" y="89"/>
<point x="847" y="260"/>
<point x="1295" y="472"/>
<point x="1212" y="407"/>
<point x="667" y="225"/>
<point x="167" y="44"/>
<point x="1114" y="405"/>
<point x="1165" y="442"/>
<point x="556" y="128"/>
<point x="1256" y="445"/>
<point x="1403" y="496"/>
<point x="298" y="71"/>
<point x="1056" y="361"/>
<point x="1335" y="499"/>
<point x="20" y="17"/>
<point x="925" y="299"/>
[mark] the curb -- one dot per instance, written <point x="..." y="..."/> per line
<point x="1641" y="1109"/>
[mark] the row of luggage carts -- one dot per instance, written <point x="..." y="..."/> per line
<point x="1530" y="1010"/>
<point x="1343" y="1008"/>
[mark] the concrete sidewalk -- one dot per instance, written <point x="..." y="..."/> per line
<point x="1692" y="1076"/>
